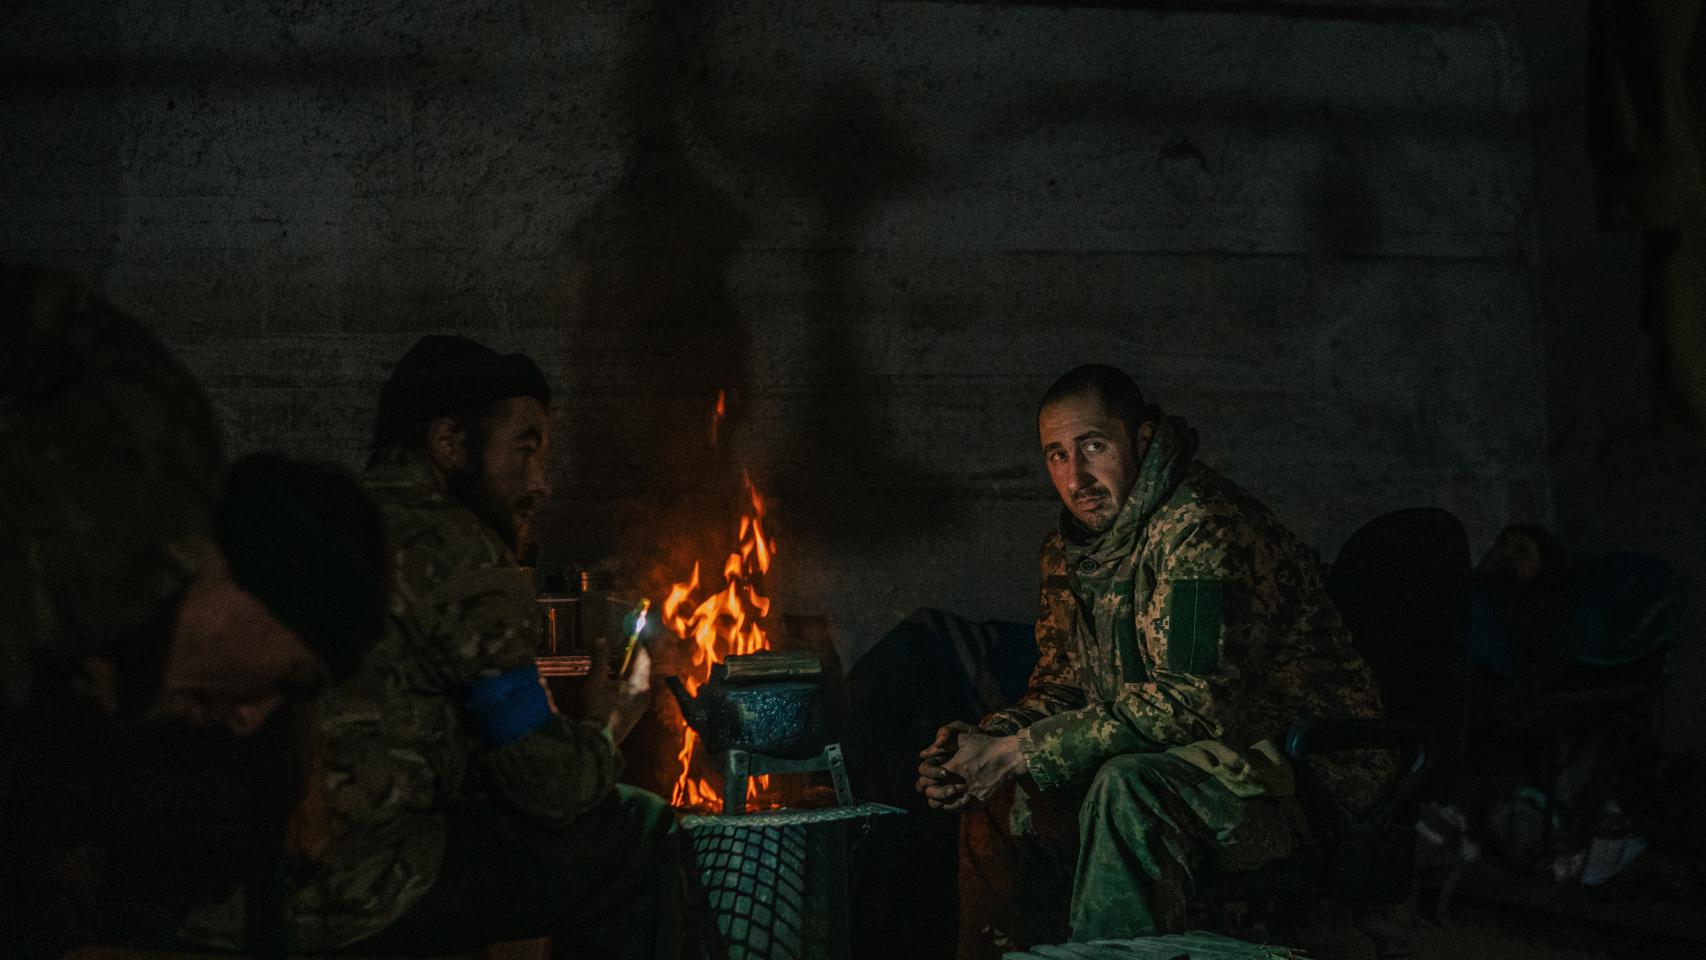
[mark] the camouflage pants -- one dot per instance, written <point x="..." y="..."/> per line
<point x="1115" y="860"/>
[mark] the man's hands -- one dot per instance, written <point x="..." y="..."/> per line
<point x="963" y="767"/>
<point x="938" y="785"/>
<point x="617" y="702"/>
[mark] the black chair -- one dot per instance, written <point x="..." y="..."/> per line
<point x="1402" y="585"/>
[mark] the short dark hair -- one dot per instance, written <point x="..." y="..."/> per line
<point x="1118" y="392"/>
<point x="449" y="376"/>
<point x="307" y="541"/>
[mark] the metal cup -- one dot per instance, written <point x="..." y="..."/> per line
<point x="561" y="619"/>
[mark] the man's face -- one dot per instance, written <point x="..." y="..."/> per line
<point x="231" y="662"/>
<point x="503" y="481"/>
<point x="1091" y="457"/>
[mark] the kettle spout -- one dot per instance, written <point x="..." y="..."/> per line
<point x="691" y="708"/>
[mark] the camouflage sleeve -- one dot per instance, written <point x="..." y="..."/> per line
<point x="1195" y="630"/>
<point x="1054" y="685"/>
<point x="479" y="613"/>
<point x="486" y="621"/>
<point x="554" y="773"/>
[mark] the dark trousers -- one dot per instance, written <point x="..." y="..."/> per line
<point x="613" y="884"/>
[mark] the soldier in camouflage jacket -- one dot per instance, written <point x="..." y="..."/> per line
<point x="1182" y="629"/>
<point x="465" y="808"/>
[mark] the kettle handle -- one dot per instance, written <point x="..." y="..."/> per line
<point x="691" y="709"/>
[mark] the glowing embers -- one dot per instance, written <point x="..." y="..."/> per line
<point x="723" y="624"/>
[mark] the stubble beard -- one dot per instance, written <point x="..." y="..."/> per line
<point x="473" y="490"/>
<point x="1097" y="513"/>
<point x="1096" y="523"/>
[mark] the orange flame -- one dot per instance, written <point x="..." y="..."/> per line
<point x="724" y="624"/>
<point x="717" y="417"/>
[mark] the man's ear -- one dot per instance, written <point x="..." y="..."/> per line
<point x="1145" y="434"/>
<point x="445" y="444"/>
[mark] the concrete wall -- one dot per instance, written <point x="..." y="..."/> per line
<point x="882" y="227"/>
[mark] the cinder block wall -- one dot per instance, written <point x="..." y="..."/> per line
<point x="881" y="227"/>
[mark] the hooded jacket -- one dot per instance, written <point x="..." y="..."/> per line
<point x="1196" y="616"/>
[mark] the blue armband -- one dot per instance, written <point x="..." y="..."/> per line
<point x="510" y="705"/>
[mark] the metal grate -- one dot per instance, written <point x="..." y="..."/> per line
<point x="789" y="816"/>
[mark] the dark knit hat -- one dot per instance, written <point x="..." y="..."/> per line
<point x="309" y="544"/>
<point x="445" y="375"/>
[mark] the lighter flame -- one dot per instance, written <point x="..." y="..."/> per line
<point x="724" y="624"/>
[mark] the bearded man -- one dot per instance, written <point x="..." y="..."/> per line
<point x="466" y="810"/>
<point x="1182" y="630"/>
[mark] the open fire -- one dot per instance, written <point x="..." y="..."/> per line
<point x="724" y="624"/>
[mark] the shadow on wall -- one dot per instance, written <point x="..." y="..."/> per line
<point x="652" y="259"/>
<point x="1347" y="211"/>
<point x="853" y="157"/>
<point x="652" y="256"/>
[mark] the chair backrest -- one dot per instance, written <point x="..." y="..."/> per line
<point x="1402" y="582"/>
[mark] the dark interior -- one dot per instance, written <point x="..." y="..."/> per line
<point x="1383" y="254"/>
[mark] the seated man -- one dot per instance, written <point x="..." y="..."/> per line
<point x="465" y="809"/>
<point x="1182" y="630"/>
<point x="157" y="611"/>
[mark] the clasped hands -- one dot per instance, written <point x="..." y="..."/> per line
<point x="963" y="767"/>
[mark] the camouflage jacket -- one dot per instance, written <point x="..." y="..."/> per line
<point x="399" y="746"/>
<point x="1196" y="616"/>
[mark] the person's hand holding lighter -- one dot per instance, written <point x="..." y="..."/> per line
<point x="617" y="700"/>
<point x="639" y="628"/>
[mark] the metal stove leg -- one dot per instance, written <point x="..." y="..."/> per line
<point x="838" y="773"/>
<point x="737" y="766"/>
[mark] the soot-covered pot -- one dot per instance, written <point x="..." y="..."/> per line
<point x="771" y="703"/>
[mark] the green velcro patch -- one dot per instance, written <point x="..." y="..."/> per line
<point x="1193" y="626"/>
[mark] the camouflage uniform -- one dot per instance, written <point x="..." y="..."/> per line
<point x="403" y="760"/>
<point x="1175" y="648"/>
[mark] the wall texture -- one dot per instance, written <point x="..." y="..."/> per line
<point x="882" y="227"/>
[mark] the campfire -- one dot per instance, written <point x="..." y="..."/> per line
<point x="725" y="623"/>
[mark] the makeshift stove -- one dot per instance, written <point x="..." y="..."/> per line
<point x="753" y="733"/>
<point x="761" y="714"/>
<point x="775" y="880"/>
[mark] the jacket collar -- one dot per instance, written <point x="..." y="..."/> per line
<point x="406" y="474"/>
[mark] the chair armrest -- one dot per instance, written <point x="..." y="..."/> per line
<point x="1409" y="742"/>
